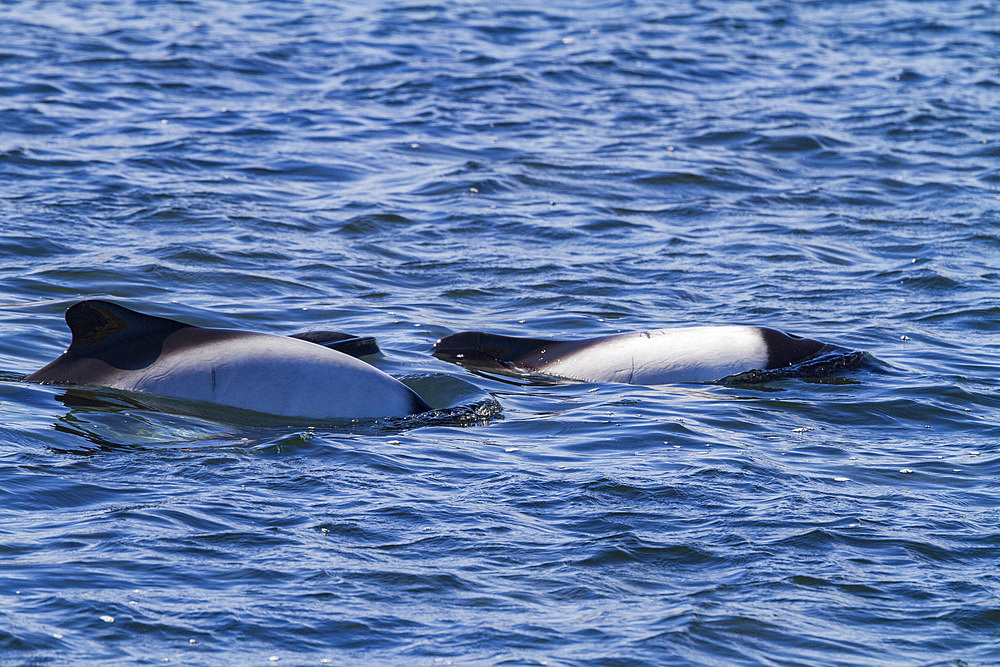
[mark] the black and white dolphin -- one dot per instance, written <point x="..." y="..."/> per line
<point x="661" y="356"/>
<point x="287" y="376"/>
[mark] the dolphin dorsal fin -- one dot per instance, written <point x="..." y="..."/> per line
<point x="106" y="331"/>
<point x="356" y="346"/>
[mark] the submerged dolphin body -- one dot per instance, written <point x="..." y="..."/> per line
<point x="292" y="377"/>
<point x="662" y="356"/>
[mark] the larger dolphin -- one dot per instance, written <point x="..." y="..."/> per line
<point x="661" y="356"/>
<point x="122" y="349"/>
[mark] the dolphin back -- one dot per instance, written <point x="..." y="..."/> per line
<point x="660" y="356"/>
<point x="299" y="376"/>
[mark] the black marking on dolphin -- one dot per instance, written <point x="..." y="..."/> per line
<point x="119" y="337"/>
<point x="788" y="349"/>
<point x="486" y="351"/>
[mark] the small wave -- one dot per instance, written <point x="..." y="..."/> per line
<point x="823" y="366"/>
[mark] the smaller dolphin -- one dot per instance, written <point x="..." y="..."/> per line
<point x="287" y="376"/>
<point x="661" y="356"/>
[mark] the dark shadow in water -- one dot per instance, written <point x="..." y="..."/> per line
<point x="822" y="368"/>
<point x="110" y="419"/>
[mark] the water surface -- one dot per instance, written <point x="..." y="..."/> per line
<point x="412" y="170"/>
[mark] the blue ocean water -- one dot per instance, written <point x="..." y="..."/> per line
<point x="409" y="170"/>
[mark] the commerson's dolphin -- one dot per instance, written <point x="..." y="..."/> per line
<point x="287" y="376"/>
<point x="662" y="356"/>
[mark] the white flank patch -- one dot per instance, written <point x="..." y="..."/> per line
<point x="666" y="356"/>
<point x="273" y="374"/>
